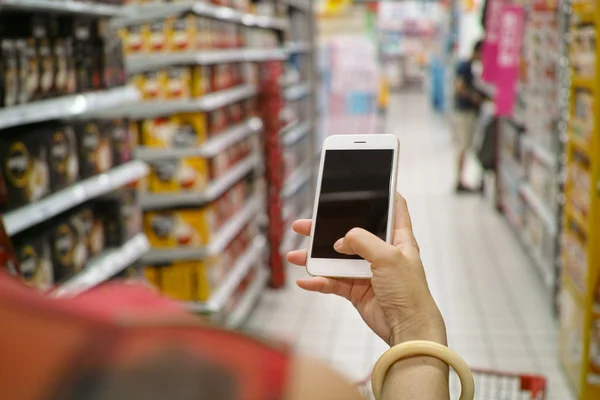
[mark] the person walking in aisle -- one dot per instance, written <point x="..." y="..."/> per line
<point x="467" y="101"/>
<point x="125" y="342"/>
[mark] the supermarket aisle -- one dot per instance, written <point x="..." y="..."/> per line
<point x="493" y="302"/>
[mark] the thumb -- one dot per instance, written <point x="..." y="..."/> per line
<point x="368" y="246"/>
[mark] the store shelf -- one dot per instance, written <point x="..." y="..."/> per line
<point x="295" y="181"/>
<point x="104" y="266"/>
<point x="248" y="300"/>
<point x="298" y="47"/>
<point x="540" y="207"/>
<point x="137" y="14"/>
<point x="209" y="149"/>
<point x="297" y="133"/>
<point x="65" y="107"/>
<point x="579" y="144"/>
<point x="297" y="92"/>
<point x="303" y="5"/>
<point x="509" y="177"/>
<point x="219" y="242"/>
<point x="33" y="214"/>
<point x="232" y="281"/>
<point x="157" y="201"/>
<point x="209" y="102"/>
<point x="540" y="152"/>
<point x="575" y="216"/>
<point x="147" y="62"/>
<point x="575" y="290"/>
<point x="62" y="7"/>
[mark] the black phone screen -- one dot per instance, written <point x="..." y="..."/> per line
<point x="355" y="190"/>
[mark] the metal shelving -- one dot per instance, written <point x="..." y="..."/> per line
<point x="25" y="217"/>
<point x="147" y="62"/>
<point x="66" y="107"/>
<point x="63" y="7"/>
<point x="298" y="91"/>
<point x="208" y="102"/>
<point x="209" y="149"/>
<point x="248" y="300"/>
<point x="106" y="265"/>
<point x="157" y="201"/>
<point x="218" y="243"/>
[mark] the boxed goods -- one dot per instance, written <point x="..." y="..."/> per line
<point x="178" y="83"/>
<point x="68" y="245"/>
<point x="122" y="145"/>
<point x="178" y="131"/>
<point x="184" y="34"/>
<point x="9" y="73"/>
<point x="84" y="35"/>
<point x="63" y="161"/>
<point x="216" y="121"/>
<point x="182" y="227"/>
<point x="25" y="169"/>
<point x="34" y="259"/>
<point x="201" y="80"/>
<point x="121" y="216"/>
<point x="152" y="85"/>
<point x="156" y="35"/>
<point x="183" y="281"/>
<point x="133" y="38"/>
<point x="94" y="148"/>
<point x="93" y="229"/>
<point x="190" y="173"/>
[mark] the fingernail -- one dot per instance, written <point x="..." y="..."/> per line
<point x="338" y="245"/>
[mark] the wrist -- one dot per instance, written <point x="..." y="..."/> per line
<point x="427" y="326"/>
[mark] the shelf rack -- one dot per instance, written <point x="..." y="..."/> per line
<point x="580" y="296"/>
<point x="63" y="7"/>
<point x="30" y="215"/>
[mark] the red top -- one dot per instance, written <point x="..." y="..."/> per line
<point x="46" y="344"/>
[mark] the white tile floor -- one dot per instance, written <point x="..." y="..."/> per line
<point x="497" y="313"/>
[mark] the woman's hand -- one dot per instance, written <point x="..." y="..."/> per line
<point x="396" y="303"/>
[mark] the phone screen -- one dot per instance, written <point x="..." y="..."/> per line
<point x="355" y="190"/>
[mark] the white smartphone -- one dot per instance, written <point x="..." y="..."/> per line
<point x="355" y="188"/>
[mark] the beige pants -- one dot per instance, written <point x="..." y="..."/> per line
<point x="465" y="123"/>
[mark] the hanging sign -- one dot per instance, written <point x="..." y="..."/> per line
<point x="490" y="44"/>
<point x="510" y="37"/>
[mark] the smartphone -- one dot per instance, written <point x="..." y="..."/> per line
<point x="355" y="189"/>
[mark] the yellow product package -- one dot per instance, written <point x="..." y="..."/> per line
<point x="152" y="85"/>
<point x="133" y="38"/>
<point x="205" y="284"/>
<point x="156" y="35"/>
<point x="184" y="34"/>
<point x="152" y="275"/>
<point x="193" y="122"/>
<point x="159" y="132"/>
<point x="178" y="280"/>
<point x="184" y="227"/>
<point x="179" y="174"/>
<point x="178" y="83"/>
<point x="201" y="80"/>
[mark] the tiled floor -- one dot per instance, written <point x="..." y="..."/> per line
<point x="497" y="313"/>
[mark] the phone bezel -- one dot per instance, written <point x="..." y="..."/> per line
<point x="352" y="268"/>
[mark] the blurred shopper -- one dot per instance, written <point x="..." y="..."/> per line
<point x="467" y="102"/>
<point x="125" y="342"/>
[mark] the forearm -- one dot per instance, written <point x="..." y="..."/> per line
<point x="418" y="378"/>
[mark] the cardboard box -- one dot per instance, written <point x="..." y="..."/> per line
<point x="95" y="149"/>
<point x="156" y="35"/>
<point x="177" y="174"/>
<point x="184" y="34"/>
<point x="183" y="227"/>
<point x="178" y="83"/>
<point x="64" y="163"/>
<point x="35" y="260"/>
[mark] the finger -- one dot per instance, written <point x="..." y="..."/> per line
<point x="297" y="257"/>
<point x="302" y="226"/>
<point x="403" y="231"/>
<point x="365" y="244"/>
<point x="319" y="284"/>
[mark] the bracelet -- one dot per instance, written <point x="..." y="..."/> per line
<point x="423" y="348"/>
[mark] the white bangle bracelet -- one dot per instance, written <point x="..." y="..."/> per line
<point x="423" y="348"/>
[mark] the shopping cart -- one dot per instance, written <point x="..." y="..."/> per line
<point x="490" y="385"/>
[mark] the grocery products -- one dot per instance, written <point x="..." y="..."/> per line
<point x="95" y="148"/>
<point x="62" y="155"/>
<point x="34" y="258"/>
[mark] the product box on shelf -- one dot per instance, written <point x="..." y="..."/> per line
<point x="157" y="34"/>
<point x="180" y="227"/>
<point x="177" y="174"/>
<point x="68" y="245"/>
<point x="25" y="165"/>
<point x="186" y="130"/>
<point x="121" y="215"/>
<point x="133" y="38"/>
<point x="178" y="83"/>
<point x="34" y="258"/>
<point x="93" y="226"/>
<point x="95" y="148"/>
<point x="201" y="80"/>
<point x="119" y="130"/>
<point x="63" y="158"/>
<point x="583" y="117"/>
<point x="217" y="121"/>
<point x="184" y="33"/>
<point x="152" y="84"/>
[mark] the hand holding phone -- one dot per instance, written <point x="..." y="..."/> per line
<point x="355" y="189"/>
<point x="395" y="303"/>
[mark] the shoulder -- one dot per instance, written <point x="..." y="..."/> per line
<point x="310" y="379"/>
<point x="463" y="68"/>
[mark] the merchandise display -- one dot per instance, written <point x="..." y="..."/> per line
<point x="65" y="200"/>
<point x="529" y="144"/>
<point x="580" y="299"/>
